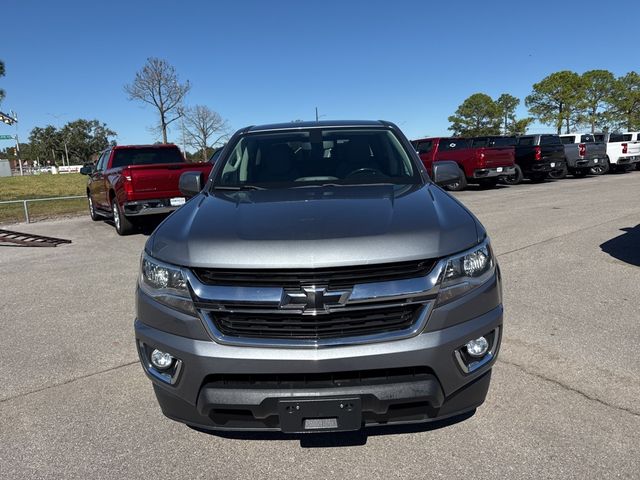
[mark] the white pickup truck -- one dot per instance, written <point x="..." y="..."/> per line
<point x="622" y="152"/>
<point x="634" y="137"/>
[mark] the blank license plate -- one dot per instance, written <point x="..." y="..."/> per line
<point x="320" y="415"/>
<point x="177" y="201"/>
<point x="499" y="169"/>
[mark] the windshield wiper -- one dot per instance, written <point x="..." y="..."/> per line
<point x="236" y="188"/>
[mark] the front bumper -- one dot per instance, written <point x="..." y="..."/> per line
<point x="494" y="172"/>
<point x="198" y="397"/>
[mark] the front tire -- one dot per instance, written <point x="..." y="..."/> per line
<point x="123" y="225"/>
<point x="92" y="210"/>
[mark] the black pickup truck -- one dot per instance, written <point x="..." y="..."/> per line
<point x="537" y="156"/>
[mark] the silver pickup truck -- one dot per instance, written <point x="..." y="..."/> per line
<point x="584" y="155"/>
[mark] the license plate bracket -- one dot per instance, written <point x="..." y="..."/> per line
<point x="320" y="415"/>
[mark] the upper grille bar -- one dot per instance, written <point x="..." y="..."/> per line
<point x="333" y="277"/>
<point x="225" y="297"/>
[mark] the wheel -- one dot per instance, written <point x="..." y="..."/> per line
<point x="458" y="186"/>
<point x="514" y="179"/>
<point x="123" y="225"/>
<point x="488" y="182"/>
<point x="558" y="174"/>
<point x="602" y="168"/>
<point x="92" y="210"/>
<point x="638" y="166"/>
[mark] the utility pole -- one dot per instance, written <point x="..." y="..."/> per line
<point x="18" y="154"/>
<point x="184" y="140"/>
<point x="66" y="152"/>
<point x="317" y="114"/>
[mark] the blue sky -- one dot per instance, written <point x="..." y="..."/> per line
<point x="411" y="62"/>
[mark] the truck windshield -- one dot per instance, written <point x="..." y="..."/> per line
<point x="316" y="157"/>
<point x="146" y="156"/>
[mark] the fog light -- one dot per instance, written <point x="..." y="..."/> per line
<point x="161" y="360"/>
<point x="477" y="347"/>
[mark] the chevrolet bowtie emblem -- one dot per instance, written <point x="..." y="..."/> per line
<point x="313" y="300"/>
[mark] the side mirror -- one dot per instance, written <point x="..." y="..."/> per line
<point x="190" y="183"/>
<point x="446" y="173"/>
<point x="86" y="170"/>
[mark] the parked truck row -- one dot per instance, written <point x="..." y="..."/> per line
<point x="487" y="160"/>
<point x="128" y="183"/>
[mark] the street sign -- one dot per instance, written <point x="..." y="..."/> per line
<point x="7" y="137"/>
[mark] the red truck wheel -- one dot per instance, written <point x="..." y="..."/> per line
<point x="123" y="225"/>
<point x="92" y="210"/>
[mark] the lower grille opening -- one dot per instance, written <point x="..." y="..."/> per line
<point x="318" y="380"/>
<point x="314" y="327"/>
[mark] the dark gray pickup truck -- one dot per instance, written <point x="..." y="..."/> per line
<point x="319" y="281"/>
<point x="583" y="153"/>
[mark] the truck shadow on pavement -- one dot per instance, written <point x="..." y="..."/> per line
<point x="340" y="439"/>
<point x="625" y="247"/>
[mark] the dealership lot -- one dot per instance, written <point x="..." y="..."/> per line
<point x="563" y="401"/>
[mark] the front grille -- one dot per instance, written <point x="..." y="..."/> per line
<point x="335" y="277"/>
<point x="315" y="327"/>
<point x="318" y="380"/>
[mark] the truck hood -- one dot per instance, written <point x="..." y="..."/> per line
<point x="315" y="227"/>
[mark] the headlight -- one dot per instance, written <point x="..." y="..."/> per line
<point x="166" y="284"/>
<point x="465" y="271"/>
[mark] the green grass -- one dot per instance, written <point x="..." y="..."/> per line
<point x="42" y="186"/>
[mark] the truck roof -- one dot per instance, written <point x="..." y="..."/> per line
<point x="319" y="124"/>
<point x="155" y="145"/>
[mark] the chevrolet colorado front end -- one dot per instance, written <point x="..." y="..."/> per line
<point x="319" y="281"/>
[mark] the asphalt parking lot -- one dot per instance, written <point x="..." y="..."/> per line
<point x="563" y="402"/>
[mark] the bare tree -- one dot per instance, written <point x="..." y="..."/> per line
<point x="205" y="129"/>
<point x="157" y="84"/>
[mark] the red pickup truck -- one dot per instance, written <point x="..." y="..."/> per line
<point x="480" y="164"/>
<point x="131" y="181"/>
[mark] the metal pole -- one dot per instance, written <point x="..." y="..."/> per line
<point x="66" y="152"/>
<point x="18" y="154"/>
<point x="184" y="141"/>
<point x="316" y="114"/>
<point x="26" y="211"/>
